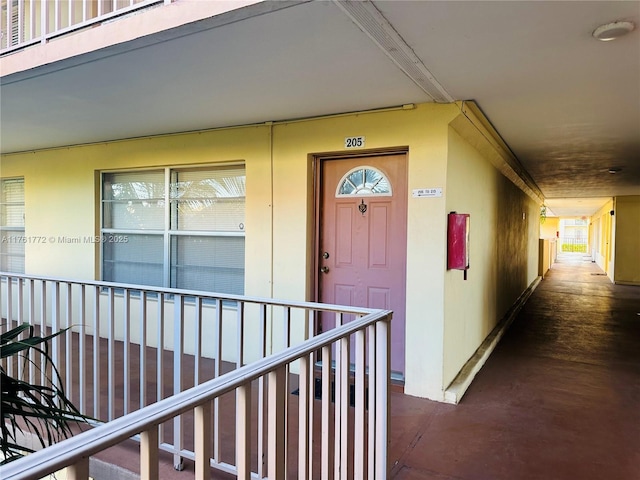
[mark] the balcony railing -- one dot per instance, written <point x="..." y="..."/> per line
<point x="229" y="357"/>
<point x="27" y="22"/>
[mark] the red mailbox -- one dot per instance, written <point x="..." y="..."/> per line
<point x="458" y="242"/>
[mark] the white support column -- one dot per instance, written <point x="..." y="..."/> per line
<point x="149" y="454"/>
<point x="202" y="441"/>
<point x="243" y="431"/>
<point x="276" y="431"/>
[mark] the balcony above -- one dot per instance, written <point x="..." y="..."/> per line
<point x="567" y="108"/>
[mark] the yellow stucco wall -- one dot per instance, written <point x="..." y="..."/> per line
<point x="504" y="231"/>
<point x="601" y="238"/>
<point x="549" y="228"/>
<point x="424" y="131"/>
<point x="62" y="194"/>
<point x="627" y="240"/>
<point x="62" y="191"/>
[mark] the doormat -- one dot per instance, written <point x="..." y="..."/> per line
<point x="317" y="393"/>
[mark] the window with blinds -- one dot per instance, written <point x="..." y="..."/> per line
<point x="181" y="228"/>
<point x="12" y="239"/>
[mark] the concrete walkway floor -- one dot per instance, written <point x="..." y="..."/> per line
<point x="559" y="399"/>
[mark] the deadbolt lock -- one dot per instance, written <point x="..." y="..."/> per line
<point x="325" y="255"/>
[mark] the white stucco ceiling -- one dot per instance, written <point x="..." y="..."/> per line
<point x="567" y="105"/>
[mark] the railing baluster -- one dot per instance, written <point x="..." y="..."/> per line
<point x="96" y="354"/>
<point x="44" y="17"/>
<point x="79" y="470"/>
<point x="344" y="380"/>
<point x="160" y="357"/>
<point x="305" y="400"/>
<point x="198" y="341"/>
<point x="55" y="327"/>
<point x="70" y="14"/>
<point x="20" y="319"/>
<point x="326" y="440"/>
<point x="43" y="328"/>
<point x="276" y="432"/>
<point x="240" y="334"/>
<point x="243" y="431"/>
<point x="32" y="322"/>
<point x="178" y="348"/>
<point x="310" y="325"/>
<point x="143" y="349"/>
<point x="20" y="22"/>
<point x="69" y="363"/>
<point x="20" y="316"/>
<point x="202" y="441"/>
<point x="286" y="320"/>
<point x="373" y="400"/>
<point x="9" y="319"/>
<point x="9" y="316"/>
<point x="126" y="345"/>
<point x="56" y="10"/>
<point x="160" y="350"/>
<point x="82" y="349"/>
<point x="111" y="354"/>
<point x="382" y="392"/>
<point x="337" y="411"/>
<point x="149" y="454"/>
<point x="261" y="393"/>
<point x="217" y="353"/>
<point x="359" y="440"/>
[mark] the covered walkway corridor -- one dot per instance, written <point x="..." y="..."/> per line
<point x="558" y="400"/>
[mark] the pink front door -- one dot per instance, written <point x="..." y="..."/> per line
<point x="363" y="238"/>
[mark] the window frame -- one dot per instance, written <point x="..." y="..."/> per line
<point x="167" y="232"/>
<point x="18" y="237"/>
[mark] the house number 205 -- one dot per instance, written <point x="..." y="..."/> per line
<point x="354" y="142"/>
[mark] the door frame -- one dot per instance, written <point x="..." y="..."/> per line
<point x="317" y="160"/>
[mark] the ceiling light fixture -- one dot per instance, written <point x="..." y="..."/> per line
<point x="614" y="170"/>
<point x="613" y="30"/>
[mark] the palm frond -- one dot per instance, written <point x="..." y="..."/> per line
<point x="43" y="410"/>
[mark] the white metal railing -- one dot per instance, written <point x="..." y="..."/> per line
<point x="212" y="345"/>
<point x="26" y="22"/>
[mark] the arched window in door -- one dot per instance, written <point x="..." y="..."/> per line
<point x="363" y="181"/>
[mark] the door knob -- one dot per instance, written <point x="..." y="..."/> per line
<point x="324" y="269"/>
